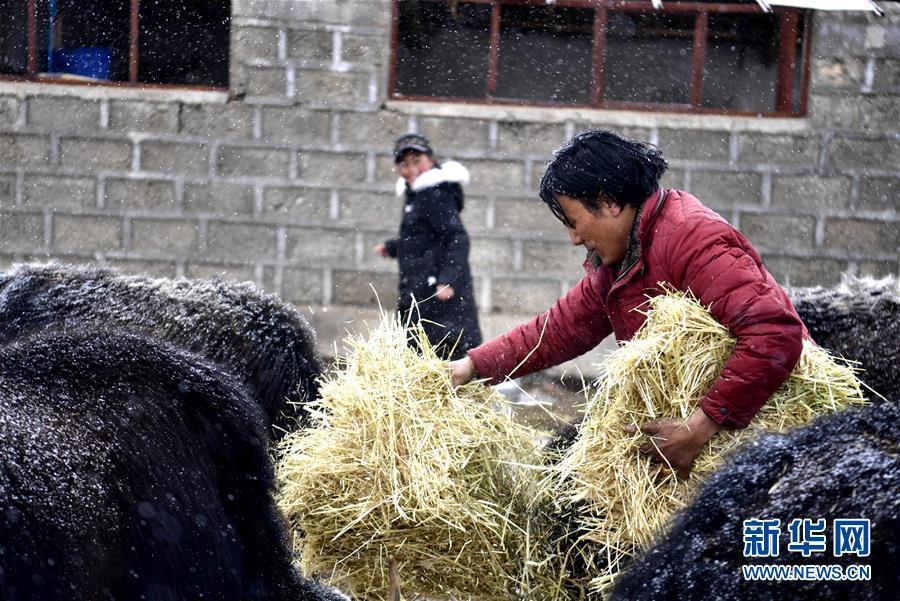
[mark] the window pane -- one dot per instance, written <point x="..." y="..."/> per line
<point x="13" y="37"/>
<point x="87" y="38"/>
<point x="741" y="70"/>
<point x="545" y="54"/>
<point x="648" y="57"/>
<point x="184" y="42"/>
<point x="442" y="53"/>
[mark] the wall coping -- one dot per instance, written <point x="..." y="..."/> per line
<point x="103" y="92"/>
<point x="644" y="119"/>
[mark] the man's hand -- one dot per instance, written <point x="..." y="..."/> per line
<point x="382" y="251"/>
<point x="677" y="443"/>
<point x="462" y="371"/>
<point x="444" y="292"/>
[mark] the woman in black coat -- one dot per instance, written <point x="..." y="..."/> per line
<point x="433" y="248"/>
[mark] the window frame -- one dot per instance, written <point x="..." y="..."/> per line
<point x="133" y="66"/>
<point x="787" y="56"/>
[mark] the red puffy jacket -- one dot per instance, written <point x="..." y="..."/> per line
<point x="690" y="247"/>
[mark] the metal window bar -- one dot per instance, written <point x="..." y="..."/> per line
<point x="32" y="38"/>
<point x="494" y="51"/>
<point x="698" y="60"/>
<point x="787" y="57"/>
<point x="395" y="43"/>
<point x="804" y="71"/>
<point x="598" y="56"/>
<point x="134" y="33"/>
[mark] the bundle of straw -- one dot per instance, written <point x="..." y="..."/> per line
<point x="405" y="475"/>
<point x="664" y="372"/>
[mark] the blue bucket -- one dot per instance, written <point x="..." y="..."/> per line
<point x="90" y="62"/>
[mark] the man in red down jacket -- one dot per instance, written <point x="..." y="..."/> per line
<point x="639" y="237"/>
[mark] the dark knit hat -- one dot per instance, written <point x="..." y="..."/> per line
<point x="410" y="142"/>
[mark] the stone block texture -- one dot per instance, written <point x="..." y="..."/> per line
<point x="288" y="180"/>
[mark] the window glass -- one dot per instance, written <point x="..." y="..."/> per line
<point x="545" y="53"/>
<point x="13" y="37"/>
<point x="178" y="42"/>
<point x="75" y="38"/>
<point x="88" y="38"/>
<point x="184" y="42"/>
<point x="648" y="57"/>
<point x="741" y="69"/>
<point x="442" y="51"/>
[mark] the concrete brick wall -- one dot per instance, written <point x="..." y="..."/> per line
<point x="287" y="180"/>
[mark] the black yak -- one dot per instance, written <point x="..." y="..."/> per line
<point x="858" y="320"/>
<point x="253" y="335"/>
<point x="574" y="559"/>
<point x="842" y="466"/>
<point x="130" y="469"/>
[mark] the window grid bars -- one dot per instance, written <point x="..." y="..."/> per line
<point x="788" y="28"/>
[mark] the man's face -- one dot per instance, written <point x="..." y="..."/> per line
<point x="604" y="232"/>
<point x="412" y="164"/>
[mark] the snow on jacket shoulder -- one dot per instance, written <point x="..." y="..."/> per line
<point x="449" y="172"/>
<point x="690" y="247"/>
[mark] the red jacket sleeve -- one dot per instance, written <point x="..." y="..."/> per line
<point x="573" y="326"/>
<point x="716" y="263"/>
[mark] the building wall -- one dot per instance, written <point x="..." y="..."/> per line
<point x="286" y="180"/>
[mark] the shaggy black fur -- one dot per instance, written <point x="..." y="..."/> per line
<point x="131" y="470"/>
<point x="859" y="320"/>
<point x="576" y="561"/>
<point x="253" y="335"/>
<point x="845" y="465"/>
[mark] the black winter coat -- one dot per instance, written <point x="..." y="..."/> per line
<point x="433" y="249"/>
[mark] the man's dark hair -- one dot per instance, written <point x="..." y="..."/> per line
<point x="597" y="162"/>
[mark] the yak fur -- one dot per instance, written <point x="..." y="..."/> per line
<point x="844" y="465"/>
<point x="859" y="320"/>
<point x="253" y="335"/>
<point x="131" y="469"/>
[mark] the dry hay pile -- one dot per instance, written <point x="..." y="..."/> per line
<point x="663" y="372"/>
<point x="403" y="472"/>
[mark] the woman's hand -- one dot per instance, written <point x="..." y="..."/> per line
<point x="382" y="251"/>
<point x="462" y="371"/>
<point x="444" y="292"/>
<point x="677" y="443"/>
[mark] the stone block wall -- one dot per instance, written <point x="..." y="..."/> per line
<point x="287" y="179"/>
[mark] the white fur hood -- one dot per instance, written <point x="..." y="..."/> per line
<point x="451" y="171"/>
